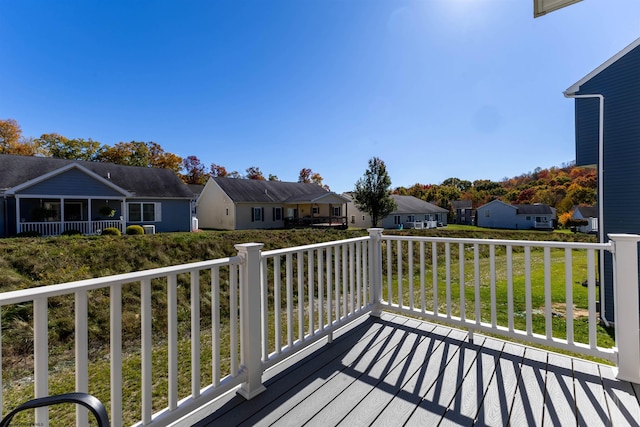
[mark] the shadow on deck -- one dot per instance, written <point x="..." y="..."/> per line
<point x="400" y="371"/>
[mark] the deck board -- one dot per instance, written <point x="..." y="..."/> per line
<point x="499" y="396"/>
<point x="400" y="371"/>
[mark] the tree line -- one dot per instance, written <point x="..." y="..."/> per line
<point x="134" y="153"/>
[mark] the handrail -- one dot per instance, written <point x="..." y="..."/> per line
<point x="502" y="242"/>
<point x="24" y="295"/>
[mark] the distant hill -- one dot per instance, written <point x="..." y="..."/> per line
<point x="559" y="187"/>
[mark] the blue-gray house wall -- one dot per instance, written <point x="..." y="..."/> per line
<point x="619" y="83"/>
<point x="175" y="215"/>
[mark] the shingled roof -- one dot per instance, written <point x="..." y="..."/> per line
<point x="411" y="204"/>
<point x="139" y="181"/>
<point x="587" y="211"/>
<point x="258" y="191"/>
<point x="536" y="209"/>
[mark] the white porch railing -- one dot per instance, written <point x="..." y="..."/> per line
<point x="543" y="224"/>
<point x="56" y="228"/>
<point x="266" y="306"/>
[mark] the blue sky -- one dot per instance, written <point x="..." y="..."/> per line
<point x="436" y="88"/>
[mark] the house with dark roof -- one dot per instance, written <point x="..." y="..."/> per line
<point x="463" y="212"/>
<point x="410" y="212"/>
<point x="498" y="214"/>
<point x="50" y="196"/>
<point x="241" y="204"/>
<point x="607" y="129"/>
<point x="588" y="214"/>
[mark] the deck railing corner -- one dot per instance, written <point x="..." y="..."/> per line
<point x="626" y="301"/>
<point x="250" y="318"/>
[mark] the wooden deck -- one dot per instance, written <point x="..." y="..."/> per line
<point x="398" y="371"/>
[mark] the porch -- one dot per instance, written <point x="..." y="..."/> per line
<point x="254" y="321"/>
<point x="53" y="216"/>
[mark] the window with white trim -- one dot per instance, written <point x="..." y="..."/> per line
<point x="143" y="212"/>
<point x="396" y="219"/>
<point x="315" y="210"/>
<point x="337" y="211"/>
<point x="411" y="218"/>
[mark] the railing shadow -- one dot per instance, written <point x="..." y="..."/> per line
<point x="421" y="371"/>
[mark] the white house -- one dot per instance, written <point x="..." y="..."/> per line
<point x="588" y="213"/>
<point x="241" y="204"/>
<point x="498" y="214"/>
<point x="411" y="212"/>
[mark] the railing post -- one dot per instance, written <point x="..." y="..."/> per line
<point x="250" y="319"/>
<point x="626" y="307"/>
<point x="375" y="269"/>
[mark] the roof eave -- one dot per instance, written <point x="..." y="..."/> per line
<point x="575" y="88"/>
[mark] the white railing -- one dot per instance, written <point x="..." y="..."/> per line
<point x="534" y="296"/>
<point x="543" y="224"/>
<point x="316" y="289"/>
<point x="266" y="306"/>
<point x="56" y="228"/>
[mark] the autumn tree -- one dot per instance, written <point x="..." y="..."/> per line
<point x="61" y="147"/>
<point x="12" y="141"/>
<point x="10" y="134"/>
<point x="144" y="154"/>
<point x="196" y="173"/>
<point x="372" y="193"/>
<point x="305" y="176"/>
<point x="254" y="172"/>
<point x="217" y="170"/>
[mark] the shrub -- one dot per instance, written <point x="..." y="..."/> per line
<point x="135" y="230"/>
<point x="31" y="233"/>
<point x="111" y="231"/>
<point x="71" y="233"/>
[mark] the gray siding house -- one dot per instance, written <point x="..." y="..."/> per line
<point x="463" y="212"/>
<point x="613" y="87"/>
<point x="586" y="213"/>
<point x="498" y="214"/>
<point x="242" y="204"/>
<point x="50" y="196"/>
<point x="410" y="212"/>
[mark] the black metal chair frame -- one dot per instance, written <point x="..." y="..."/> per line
<point x="88" y="401"/>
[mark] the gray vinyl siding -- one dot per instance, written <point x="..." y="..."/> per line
<point x="620" y="85"/>
<point x="72" y="183"/>
<point x="175" y="215"/>
<point x="500" y="216"/>
<point x="587" y="117"/>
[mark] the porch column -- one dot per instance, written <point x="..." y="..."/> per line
<point x="250" y="319"/>
<point x="90" y="229"/>
<point x="61" y="215"/>
<point x="123" y="215"/>
<point x="626" y="305"/>
<point x="18" y="219"/>
<point x="375" y="269"/>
